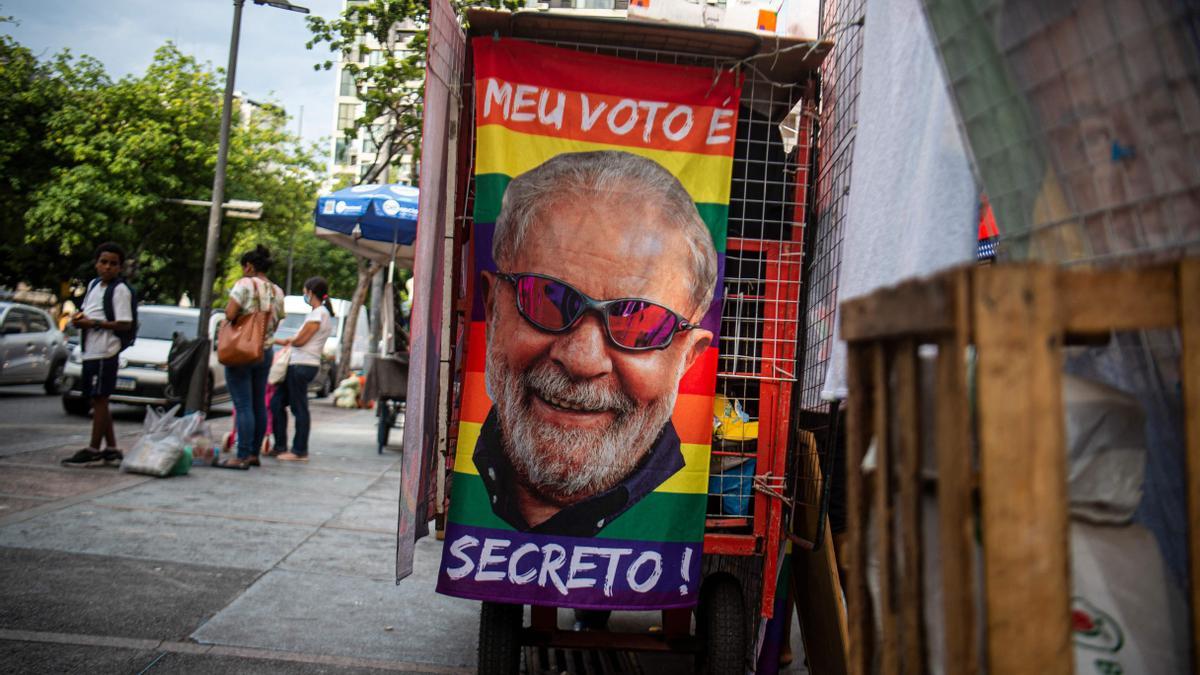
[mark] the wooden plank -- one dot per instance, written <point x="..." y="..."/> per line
<point x="913" y="308"/>
<point x="1023" y="470"/>
<point x="889" y="663"/>
<point x="858" y="435"/>
<point x="1189" y="326"/>
<point x="956" y="476"/>
<point x="908" y="508"/>
<point x="1136" y="298"/>
<point x="819" y="608"/>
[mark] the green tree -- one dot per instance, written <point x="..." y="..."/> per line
<point x="117" y="153"/>
<point x="30" y="93"/>
<point x="389" y="81"/>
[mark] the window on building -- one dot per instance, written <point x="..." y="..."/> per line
<point x="376" y="132"/>
<point x="341" y="152"/>
<point x="362" y="171"/>
<point x="375" y="58"/>
<point x="346" y="115"/>
<point x="347" y="88"/>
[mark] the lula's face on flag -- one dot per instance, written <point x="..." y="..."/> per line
<point x="584" y="395"/>
<point x="581" y="466"/>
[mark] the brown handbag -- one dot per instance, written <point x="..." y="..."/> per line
<point x="240" y="341"/>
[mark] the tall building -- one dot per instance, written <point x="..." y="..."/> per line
<point x="352" y="158"/>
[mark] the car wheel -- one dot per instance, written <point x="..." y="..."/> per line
<point x="76" y="406"/>
<point x="54" y="379"/>
<point x="326" y="387"/>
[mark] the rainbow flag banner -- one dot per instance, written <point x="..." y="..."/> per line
<point x="581" y="470"/>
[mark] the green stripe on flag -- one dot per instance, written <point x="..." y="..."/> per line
<point x="489" y="190"/>
<point x="655" y="518"/>
<point x="490" y="187"/>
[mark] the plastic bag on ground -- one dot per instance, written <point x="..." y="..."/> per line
<point x="162" y="442"/>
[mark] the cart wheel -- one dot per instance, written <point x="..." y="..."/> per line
<point x="723" y="620"/>
<point x="499" y="638"/>
<point x="383" y="410"/>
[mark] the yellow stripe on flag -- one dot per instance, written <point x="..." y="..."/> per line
<point x="691" y="479"/>
<point x="468" y="436"/>
<point x="512" y="153"/>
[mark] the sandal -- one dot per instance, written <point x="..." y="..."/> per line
<point x="252" y="460"/>
<point x="291" y="457"/>
<point x="231" y="463"/>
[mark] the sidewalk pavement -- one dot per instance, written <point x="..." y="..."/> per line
<point x="283" y="568"/>
<point x="287" y="568"/>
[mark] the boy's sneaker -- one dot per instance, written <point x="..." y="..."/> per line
<point x="84" y="457"/>
<point x="113" y="455"/>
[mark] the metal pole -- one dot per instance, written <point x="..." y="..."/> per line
<point x="195" y="399"/>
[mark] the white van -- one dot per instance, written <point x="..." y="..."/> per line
<point x="297" y="309"/>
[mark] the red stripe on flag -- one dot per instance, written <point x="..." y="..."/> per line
<point x="701" y="378"/>
<point x="477" y="347"/>
<point x="544" y="66"/>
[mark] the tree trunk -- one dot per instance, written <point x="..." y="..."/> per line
<point x="366" y="271"/>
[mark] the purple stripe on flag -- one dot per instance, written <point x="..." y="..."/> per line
<point x="586" y="573"/>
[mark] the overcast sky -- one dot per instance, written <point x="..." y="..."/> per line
<point x="123" y="34"/>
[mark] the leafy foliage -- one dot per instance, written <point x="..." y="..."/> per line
<point x="86" y="159"/>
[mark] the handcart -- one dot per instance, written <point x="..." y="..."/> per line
<point x="748" y="501"/>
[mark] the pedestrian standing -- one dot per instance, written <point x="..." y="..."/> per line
<point x="254" y="292"/>
<point x="303" y="365"/>
<point x="108" y="321"/>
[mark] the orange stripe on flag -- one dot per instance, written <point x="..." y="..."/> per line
<point x="600" y="118"/>
<point x="692" y="415"/>
<point x="475" y="401"/>
<point x="693" y="418"/>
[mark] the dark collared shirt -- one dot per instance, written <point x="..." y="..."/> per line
<point x="585" y="518"/>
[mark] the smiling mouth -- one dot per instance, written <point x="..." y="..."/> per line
<point x="568" y="406"/>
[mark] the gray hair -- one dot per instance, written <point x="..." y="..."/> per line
<point x="563" y="174"/>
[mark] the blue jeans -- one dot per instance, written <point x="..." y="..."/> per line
<point x="248" y="389"/>
<point x="293" y="393"/>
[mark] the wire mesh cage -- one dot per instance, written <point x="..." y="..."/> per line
<point x="1084" y="121"/>
<point x="817" y="485"/>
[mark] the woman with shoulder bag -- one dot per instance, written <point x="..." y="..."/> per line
<point x="244" y="346"/>
<point x="303" y="365"/>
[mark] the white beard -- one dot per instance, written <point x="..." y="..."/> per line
<point x="568" y="465"/>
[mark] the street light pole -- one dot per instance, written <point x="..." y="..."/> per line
<point x="199" y="380"/>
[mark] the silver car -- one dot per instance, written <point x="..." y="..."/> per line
<point x="142" y="377"/>
<point x="32" y="349"/>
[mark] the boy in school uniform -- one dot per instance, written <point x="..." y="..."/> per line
<point x="107" y="317"/>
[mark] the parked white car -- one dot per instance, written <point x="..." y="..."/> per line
<point x="297" y="309"/>
<point x="142" y="377"/>
<point x="32" y="349"/>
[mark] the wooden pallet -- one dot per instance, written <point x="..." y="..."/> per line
<point x="1014" y="490"/>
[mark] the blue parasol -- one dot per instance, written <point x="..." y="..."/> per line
<point x="376" y="221"/>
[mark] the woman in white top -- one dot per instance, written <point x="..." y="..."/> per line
<point x="303" y="365"/>
<point x="254" y="292"/>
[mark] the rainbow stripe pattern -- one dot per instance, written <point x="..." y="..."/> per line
<point x="531" y="103"/>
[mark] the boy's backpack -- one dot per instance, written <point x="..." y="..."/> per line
<point x="126" y="337"/>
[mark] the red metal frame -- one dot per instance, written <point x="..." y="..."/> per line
<point x="780" y="331"/>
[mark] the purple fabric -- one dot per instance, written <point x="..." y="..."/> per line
<point x="558" y="571"/>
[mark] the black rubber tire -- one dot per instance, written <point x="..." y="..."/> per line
<point x="76" y="406"/>
<point x="54" y="379"/>
<point x="500" y="638"/>
<point x="723" y="617"/>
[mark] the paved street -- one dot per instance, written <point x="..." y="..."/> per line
<point x="281" y="569"/>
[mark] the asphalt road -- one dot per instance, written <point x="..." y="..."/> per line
<point x="31" y="421"/>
